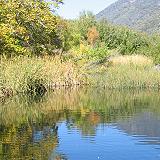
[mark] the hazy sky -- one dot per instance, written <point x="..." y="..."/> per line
<point x="71" y="8"/>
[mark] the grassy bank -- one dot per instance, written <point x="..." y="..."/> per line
<point x="129" y="77"/>
<point x="36" y="75"/>
<point x="127" y="72"/>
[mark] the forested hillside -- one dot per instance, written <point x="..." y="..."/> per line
<point x="142" y="15"/>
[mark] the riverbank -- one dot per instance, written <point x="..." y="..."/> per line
<point x="35" y="75"/>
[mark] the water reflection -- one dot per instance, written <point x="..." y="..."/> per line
<point x="144" y="126"/>
<point x="81" y="123"/>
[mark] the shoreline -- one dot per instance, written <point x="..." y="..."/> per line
<point x="26" y="75"/>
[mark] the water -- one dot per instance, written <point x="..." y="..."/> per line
<point x="81" y="124"/>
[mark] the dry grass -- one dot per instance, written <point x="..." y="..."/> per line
<point x="20" y="74"/>
<point x="23" y="73"/>
<point x="138" y="60"/>
<point x="63" y="73"/>
<point x="129" y="72"/>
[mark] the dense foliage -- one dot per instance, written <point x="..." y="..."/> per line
<point x="31" y="28"/>
<point x="86" y="31"/>
<point x="28" y="27"/>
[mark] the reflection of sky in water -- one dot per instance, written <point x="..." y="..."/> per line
<point x="39" y="135"/>
<point x="144" y="126"/>
<point x="109" y="143"/>
<point x="82" y="125"/>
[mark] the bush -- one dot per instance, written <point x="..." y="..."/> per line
<point x="127" y="41"/>
<point x="153" y="49"/>
<point x="97" y="52"/>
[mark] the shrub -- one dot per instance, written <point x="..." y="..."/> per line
<point x="97" y="52"/>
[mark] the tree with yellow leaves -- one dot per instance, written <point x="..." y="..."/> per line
<point x="27" y="27"/>
<point x="92" y="35"/>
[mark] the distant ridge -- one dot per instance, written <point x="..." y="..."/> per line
<point x="142" y="15"/>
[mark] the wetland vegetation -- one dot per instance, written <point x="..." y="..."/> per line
<point x="75" y="89"/>
<point x="48" y="51"/>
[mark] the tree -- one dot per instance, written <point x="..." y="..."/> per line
<point x="86" y="20"/>
<point x="27" y="27"/>
<point x="92" y="35"/>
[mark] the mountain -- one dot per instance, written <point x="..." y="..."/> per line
<point x="143" y="15"/>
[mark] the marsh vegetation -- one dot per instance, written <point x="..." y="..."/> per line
<point x="51" y="51"/>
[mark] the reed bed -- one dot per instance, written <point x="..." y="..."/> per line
<point x="130" y="72"/>
<point x="136" y="60"/>
<point x="24" y="74"/>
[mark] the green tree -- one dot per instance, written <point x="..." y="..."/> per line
<point x="79" y="27"/>
<point x="28" y="27"/>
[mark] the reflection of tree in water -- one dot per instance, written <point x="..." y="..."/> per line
<point x="58" y="156"/>
<point x="32" y="141"/>
<point x="29" y="127"/>
<point x="86" y="121"/>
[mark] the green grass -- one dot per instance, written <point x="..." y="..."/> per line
<point x="130" y="77"/>
<point x="23" y="74"/>
<point x="126" y="72"/>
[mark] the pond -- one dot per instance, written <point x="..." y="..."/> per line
<point x="81" y="124"/>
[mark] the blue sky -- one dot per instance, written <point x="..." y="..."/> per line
<point x="71" y="8"/>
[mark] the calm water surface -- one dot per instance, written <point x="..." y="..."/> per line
<point x="81" y="124"/>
